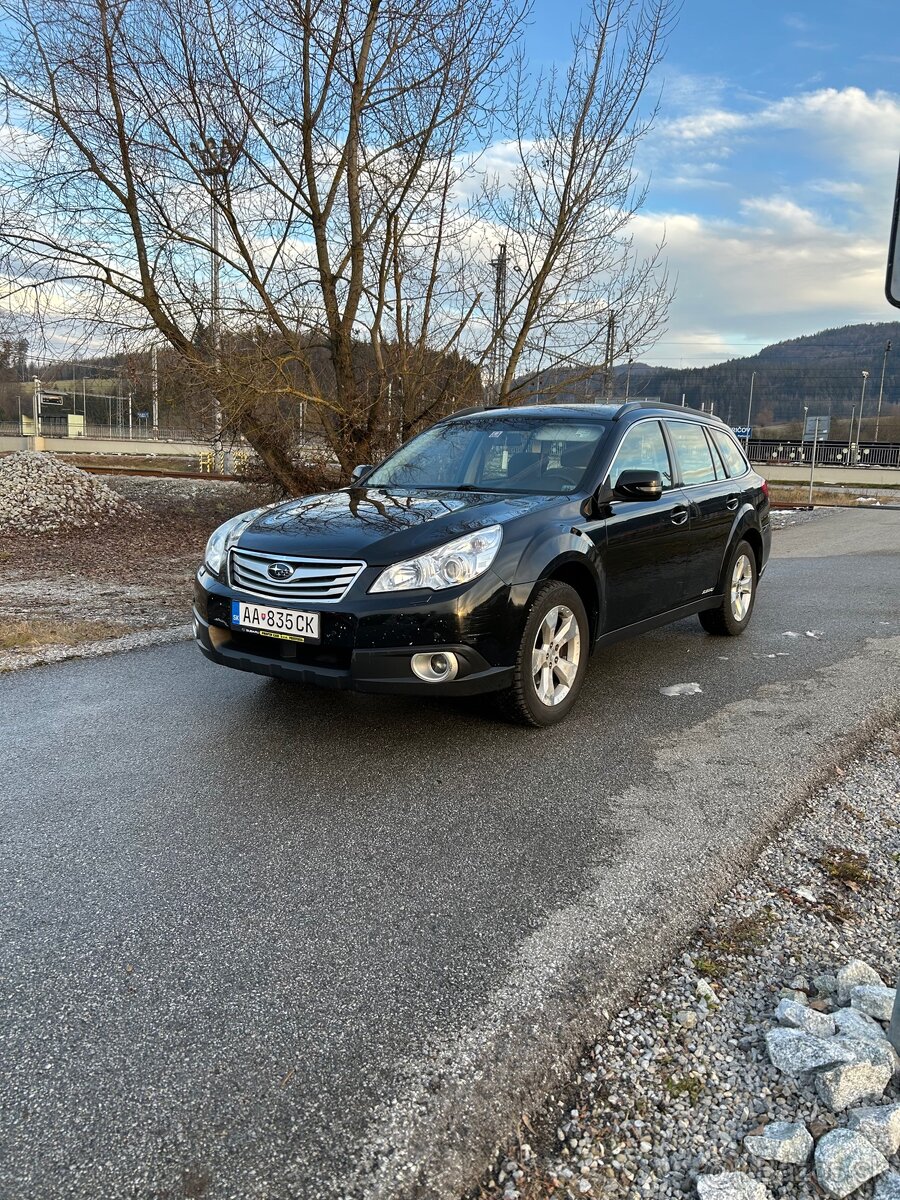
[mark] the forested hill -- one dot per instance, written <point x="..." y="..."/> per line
<point x="822" y="370"/>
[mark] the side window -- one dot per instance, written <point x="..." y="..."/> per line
<point x="731" y="453"/>
<point x="643" y="448"/>
<point x="718" y="465"/>
<point x="692" y="451"/>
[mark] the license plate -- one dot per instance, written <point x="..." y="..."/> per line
<point x="284" y="623"/>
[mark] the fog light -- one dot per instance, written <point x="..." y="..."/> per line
<point x="435" y="668"/>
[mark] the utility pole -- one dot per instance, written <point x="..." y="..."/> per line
<point x="498" y="341"/>
<point x="749" y="411"/>
<point x="218" y="159"/>
<point x="130" y="408"/>
<point x="628" y="377"/>
<point x="154" y="387"/>
<point x="610" y="356"/>
<point x="887" y="350"/>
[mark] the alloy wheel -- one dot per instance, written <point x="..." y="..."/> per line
<point x="741" y="587"/>
<point x="556" y="655"/>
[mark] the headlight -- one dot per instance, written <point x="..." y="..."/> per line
<point x="225" y="536"/>
<point x="459" y="561"/>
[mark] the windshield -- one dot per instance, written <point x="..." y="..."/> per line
<point x="491" y="454"/>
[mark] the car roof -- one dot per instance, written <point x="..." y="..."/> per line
<point x="542" y="411"/>
<point x="572" y="412"/>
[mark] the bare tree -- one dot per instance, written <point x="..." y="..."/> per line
<point x="323" y="155"/>
<point x="565" y="208"/>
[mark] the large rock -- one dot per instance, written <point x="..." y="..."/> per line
<point x="877" y="1002"/>
<point x="887" y="1187"/>
<point x="852" y="1083"/>
<point x="845" y="1161"/>
<point x="879" y="1052"/>
<point x="880" y="1125"/>
<point x="731" y="1185"/>
<point x="825" y="985"/>
<point x="798" y="1053"/>
<point x="798" y="1016"/>
<point x="782" y="1141"/>
<point x="855" y="972"/>
<point x="853" y="1023"/>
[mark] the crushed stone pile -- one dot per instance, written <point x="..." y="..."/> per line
<point x="41" y="494"/>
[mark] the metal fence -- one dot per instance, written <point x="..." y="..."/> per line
<point x="139" y="432"/>
<point x="828" y="454"/>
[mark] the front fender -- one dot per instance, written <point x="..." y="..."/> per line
<point x="553" y="547"/>
<point x="567" y="553"/>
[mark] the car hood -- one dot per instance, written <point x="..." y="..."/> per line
<point x="380" y="526"/>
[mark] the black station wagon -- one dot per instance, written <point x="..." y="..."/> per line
<point x="493" y="552"/>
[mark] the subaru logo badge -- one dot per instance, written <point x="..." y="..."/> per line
<point x="280" y="571"/>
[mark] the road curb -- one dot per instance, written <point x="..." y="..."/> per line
<point x="129" y="641"/>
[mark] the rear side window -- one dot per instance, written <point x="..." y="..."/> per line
<point x="731" y="453"/>
<point x="692" y="452"/>
<point x="643" y="448"/>
<point x="718" y="465"/>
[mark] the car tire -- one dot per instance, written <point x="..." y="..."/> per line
<point x="556" y="632"/>
<point x="732" y="616"/>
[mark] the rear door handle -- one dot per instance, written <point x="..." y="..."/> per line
<point x="731" y="503"/>
<point x="679" y="516"/>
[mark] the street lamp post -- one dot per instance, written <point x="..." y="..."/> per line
<point x="862" y="401"/>
<point x="887" y="350"/>
<point x="749" y="411"/>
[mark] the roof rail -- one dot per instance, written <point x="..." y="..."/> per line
<point x="633" y="405"/>
<point x="467" y="412"/>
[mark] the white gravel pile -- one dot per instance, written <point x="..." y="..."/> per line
<point x="681" y="1098"/>
<point x="41" y="494"/>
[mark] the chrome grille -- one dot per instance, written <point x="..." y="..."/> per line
<point x="314" y="579"/>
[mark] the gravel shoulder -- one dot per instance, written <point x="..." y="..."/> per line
<point x="675" y="1081"/>
<point x="129" y="577"/>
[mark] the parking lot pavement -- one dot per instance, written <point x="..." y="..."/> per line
<point x="265" y="942"/>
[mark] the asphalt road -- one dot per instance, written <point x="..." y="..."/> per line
<point x="270" y="943"/>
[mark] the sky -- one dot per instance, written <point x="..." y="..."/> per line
<point x="771" y="167"/>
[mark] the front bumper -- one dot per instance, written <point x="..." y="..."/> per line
<point x="368" y="641"/>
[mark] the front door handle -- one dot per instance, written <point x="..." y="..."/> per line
<point x="679" y="516"/>
<point x="731" y="503"/>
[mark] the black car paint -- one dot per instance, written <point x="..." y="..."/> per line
<point x="637" y="564"/>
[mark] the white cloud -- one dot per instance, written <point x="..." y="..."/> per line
<point x="776" y="272"/>
<point x="802" y="244"/>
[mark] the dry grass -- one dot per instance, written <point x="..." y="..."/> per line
<point x="56" y="631"/>
<point x="845" y="866"/>
<point x="797" y="496"/>
<point x="742" y="935"/>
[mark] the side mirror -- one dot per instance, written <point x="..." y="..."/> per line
<point x="638" y="485"/>
<point x="358" y="472"/>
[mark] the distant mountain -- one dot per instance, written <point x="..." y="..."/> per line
<point x="821" y="370"/>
